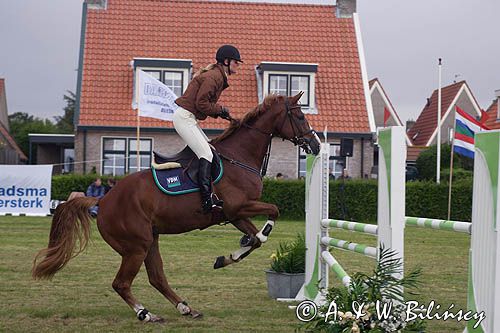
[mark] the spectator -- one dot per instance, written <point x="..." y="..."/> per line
<point x="345" y="175"/>
<point x="279" y="176"/>
<point x="111" y="182"/>
<point x="96" y="190"/>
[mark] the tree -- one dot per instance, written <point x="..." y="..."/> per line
<point x="21" y="124"/>
<point x="64" y="124"/>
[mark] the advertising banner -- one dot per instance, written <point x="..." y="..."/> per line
<point x="25" y="189"/>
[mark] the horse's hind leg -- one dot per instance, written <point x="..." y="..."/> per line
<point x="122" y="285"/>
<point x="154" y="267"/>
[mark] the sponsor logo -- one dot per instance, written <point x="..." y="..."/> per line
<point x="173" y="181"/>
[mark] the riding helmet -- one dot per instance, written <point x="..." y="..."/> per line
<point x="227" y="52"/>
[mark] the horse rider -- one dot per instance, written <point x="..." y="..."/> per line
<point x="199" y="101"/>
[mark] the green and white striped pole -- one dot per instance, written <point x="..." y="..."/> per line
<point x="447" y="225"/>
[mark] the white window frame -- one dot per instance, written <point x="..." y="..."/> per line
<point x="311" y="109"/>
<point x="185" y="74"/>
<point x="127" y="153"/>
<point x="333" y="161"/>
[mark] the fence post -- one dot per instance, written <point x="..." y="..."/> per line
<point x="391" y="189"/>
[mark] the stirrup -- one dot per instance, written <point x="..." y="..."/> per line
<point x="216" y="202"/>
<point x="212" y="202"/>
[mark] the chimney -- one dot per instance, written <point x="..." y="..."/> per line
<point x="345" y="8"/>
<point x="96" y="4"/>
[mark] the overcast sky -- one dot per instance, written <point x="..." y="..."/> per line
<point x="39" y="44"/>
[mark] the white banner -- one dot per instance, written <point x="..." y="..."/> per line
<point x="155" y="99"/>
<point x="25" y="189"/>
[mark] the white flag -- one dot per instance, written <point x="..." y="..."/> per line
<point x="155" y="99"/>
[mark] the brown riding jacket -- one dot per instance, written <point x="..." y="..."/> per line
<point x="203" y="92"/>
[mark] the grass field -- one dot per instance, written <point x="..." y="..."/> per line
<point x="232" y="299"/>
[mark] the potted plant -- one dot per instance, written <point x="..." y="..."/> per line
<point x="286" y="275"/>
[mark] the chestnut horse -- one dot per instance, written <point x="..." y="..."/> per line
<point x="135" y="212"/>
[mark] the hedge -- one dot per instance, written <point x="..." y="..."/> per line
<point x="353" y="200"/>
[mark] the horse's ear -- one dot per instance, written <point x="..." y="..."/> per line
<point x="295" y="99"/>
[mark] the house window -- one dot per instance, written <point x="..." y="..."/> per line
<point x="336" y="162"/>
<point x="290" y="85"/>
<point x="120" y="155"/>
<point x="300" y="83"/>
<point x="144" y="154"/>
<point x="278" y="84"/>
<point x="174" y="73"/>
<point x="172" y="79"/>
<point x="288" y="79"/>
<point x="114" y="157"/>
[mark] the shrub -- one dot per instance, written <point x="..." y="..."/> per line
<point x="290" y="257"/>
<point x="426" y="162"/>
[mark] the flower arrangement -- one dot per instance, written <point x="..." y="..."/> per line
<point x="290" y="257"/>
<point x="382" y="287"/>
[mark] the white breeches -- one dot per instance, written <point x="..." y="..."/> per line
<point x="187" y="127"/>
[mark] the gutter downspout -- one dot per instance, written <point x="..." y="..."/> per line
<point x="362" y="158"/>
<point x="80" y="66"/>
<point x="84" y="151"/>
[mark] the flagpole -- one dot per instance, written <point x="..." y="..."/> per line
<point x="438" y="139"/>
<point x="451" y="170"/>
<point x="137" y="87"/>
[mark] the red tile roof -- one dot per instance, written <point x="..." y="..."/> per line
<point x="194" y="29"/>
<point x="492" y="112"/>
<point x="12" y="143"/>
<point x="427" y="120"/>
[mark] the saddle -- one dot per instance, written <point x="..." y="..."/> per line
<point x="178" y="173"/>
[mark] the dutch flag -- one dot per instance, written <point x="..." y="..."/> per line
<point x="465" y="128"/>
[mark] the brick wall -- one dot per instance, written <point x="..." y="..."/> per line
<point x="284" y="155"/>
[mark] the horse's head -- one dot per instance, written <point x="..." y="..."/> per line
<point x="291" y="124"/>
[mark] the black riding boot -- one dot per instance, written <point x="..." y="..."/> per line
<point x="208" y="199"/>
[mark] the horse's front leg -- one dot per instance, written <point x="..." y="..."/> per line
<point x="253" y="238"/>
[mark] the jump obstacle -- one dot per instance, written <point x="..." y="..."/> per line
<point x="484" y="256"/>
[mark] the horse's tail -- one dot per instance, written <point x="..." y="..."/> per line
<point x="71" y="221"/>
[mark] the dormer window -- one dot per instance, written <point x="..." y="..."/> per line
<point x="174" y="73"/>
<point x="290" y="85"/>
<point x="289" y="79"/>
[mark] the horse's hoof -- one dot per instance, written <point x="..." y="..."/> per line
<point x="195" y="314"/>
<point x="219" y="262"/>
<point x="158" y="320"/>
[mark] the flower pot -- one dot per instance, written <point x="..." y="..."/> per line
<point x="284" y="285"/>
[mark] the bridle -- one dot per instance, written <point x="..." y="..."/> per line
<point x="297" y="139"/>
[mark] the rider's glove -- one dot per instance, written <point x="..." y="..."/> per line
<point x="224" y="114"/>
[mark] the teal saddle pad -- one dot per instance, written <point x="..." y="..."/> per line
<point x="179" y="180"/>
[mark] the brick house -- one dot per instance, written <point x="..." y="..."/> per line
<point x="285" y="47"/>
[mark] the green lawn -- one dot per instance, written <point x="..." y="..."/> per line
<point x="233" y="299"/>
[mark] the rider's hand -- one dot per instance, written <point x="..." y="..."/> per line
<point x="224" y="114"/>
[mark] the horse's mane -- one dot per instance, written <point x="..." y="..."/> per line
<point x="248" y="117"/>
